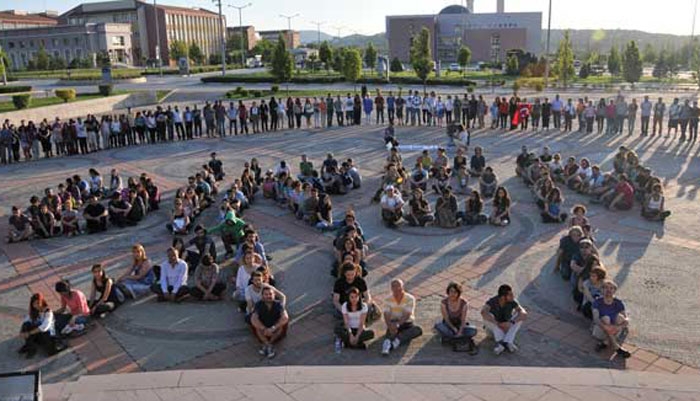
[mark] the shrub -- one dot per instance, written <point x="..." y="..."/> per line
<point x="239" y="89"/>
<point x="275" y="88"/>
<point x="15" y="89"/>
<point x="106" y="90"/>
<point x="243" y="93"/>
<point x="516" y="86"/>
<point x="470" y="89"/>
<point x="22" y="101"/>
<point x="539" y="86"/>
<point x="257" y="93"/>
<point x="65" y="94"/>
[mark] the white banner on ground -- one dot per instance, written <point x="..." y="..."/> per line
<point x="408" y="148"/>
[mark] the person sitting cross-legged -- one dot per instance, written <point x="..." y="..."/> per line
<point x="353" y="333"/>
<point x="38" y="329"/>
<point x="454" y="328"/>
<point x="610" y="321"/>
<point x="20" y="227"/>
<point x="95" y="215"/>
<point x="208" y="285"/>
<point x="269" y="322"/>
<point x="74" y="312"/>
<point x="253" y="294"/>
<point x="392" y="205"/>
<point x="399" y="314"/>
<point x="173" y="279"/>
<point x="503" y="316"/>
<point x="137" y="281"/>
<point x="350" y="277"/>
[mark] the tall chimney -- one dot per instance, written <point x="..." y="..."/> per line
<point x="501" y="6"/>
<point x="470" y="6"/>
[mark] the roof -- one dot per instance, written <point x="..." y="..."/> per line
<point x="35" y="18"/>
<point x="186" y="10"/>
<point x="454" y="9"/>
<point x="102" y="7"/>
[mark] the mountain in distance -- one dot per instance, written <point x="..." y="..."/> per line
<point x="583" y="40"/>
<point x="601" y="40"/>
<point x="311" y="36"/>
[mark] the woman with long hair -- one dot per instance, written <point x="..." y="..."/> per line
<point x="110" y="297"/>
<point x="137" y="281"/>
<point x="500" y="214"/>
<point x="38" y="329"/>
<point x="353" y="332"/>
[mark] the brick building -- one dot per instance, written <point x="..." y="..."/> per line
<point x="249" y="35"/>
<point x="17" y="19"/>
<point x="488" y="35"/>
<point x="292" y="37"/>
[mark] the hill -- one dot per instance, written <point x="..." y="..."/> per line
<point x="379" y="40"/>
<point x="601" y="40"/>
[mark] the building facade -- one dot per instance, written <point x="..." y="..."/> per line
<point x="488" y="35"/>
<point x="292" y="37"/>
<point x="191" y="25"/>
<point x="17" y="19"/>
<point x="249" y="35"/>
<point x="68" y="42"/>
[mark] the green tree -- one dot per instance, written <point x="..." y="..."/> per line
<point x="233" y="42"/>
<point x="661" y="67"/>
<point x="614" y="61"/>
<point x="464" y="56"/>
<point x="58" y="63"/>
<point x="352" y="65"/>
<point x="325" y="54"/>
<point x="339" y="60"/>
<point x="421" y="59"/>
<point x="370" y="56"/>
<point x="649" y="55"/>
<point x="178" y="50"/>
<point x="4" y="65"/>
<point x="672" y="64"/>
<point x="396" y="65"/>
<point x="102" y="58"/>
<point x="632" y="70"/>
<point x="512" y="65"/>
<point x="585" y="71"/>
<point x="282" y="61"/>
<point x="265" y="48"/>
<point x="313" y="58"/>
<point x="565" y="60"/>
<point x="42" y="59"/>
<point x="196" y="53"/>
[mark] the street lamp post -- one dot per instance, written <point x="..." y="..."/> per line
<point x="289" y="28"/>
<point x="3" y="67"/>
<point x="546" y="56"/>
<point x="159" y="61"/>
<point x="240" y="25"/>
<point x="318" y="29"/>
<point x="222" y="29"/>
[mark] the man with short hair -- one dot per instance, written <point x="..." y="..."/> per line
<point x="646" y="108"/>
<point x="20" y="227"/>
<point x="95" y="215"/>
<point x="348" y="279"/>
<point x="399" y="314"/>
<point x="392" y="205"/>
<point x="557" y="106"/>
<point x="173" y="279"/>
<point x="503" y="316"/>
<point x="610" y="321"/>
<point x="269" y="321"/>
<point x="118" y="210"/>
<point x="390" y="107"/>
<point x="659" y="110"/>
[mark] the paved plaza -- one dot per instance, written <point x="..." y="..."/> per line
<point x="654" y="264"/>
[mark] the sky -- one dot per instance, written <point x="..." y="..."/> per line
<point x="367" y="16"/>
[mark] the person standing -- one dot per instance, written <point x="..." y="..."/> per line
<point x="646" y="108"/>
<point x="546" y="113"/>
<point x="694" y="115"/>
<point x="631" y="116"/>
<point x="416" y="102"/>
<point x="197" y="118"/>
<point x="684" y="118"/>
<point x="232" y="115"/>
<point x="390" y="107"/>
<point x="367" y="106"/>
<point x="557" y="106"/>
<point x="330" y="108"/>
<point x="659" y="110"/>
<point x="620" y="114"/>
<point x="379" y="105"/>
<point x="338" y="107"/>
<point x="274" y="114"/>
<point x="503" y="316"/>
<point x="400" y="106"/>
<point x="179" y="127"/>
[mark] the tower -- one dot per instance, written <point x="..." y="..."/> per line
<point x="501" y="6"/>
<point x="470" y="6"/>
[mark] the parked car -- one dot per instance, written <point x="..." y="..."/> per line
<point x="454" y="67"/>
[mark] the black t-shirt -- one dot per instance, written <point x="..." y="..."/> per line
<point x="523" y="160"/>
<point x="19" y="222"/>
<point x="342" y="286"/>
<point x="269" y="316"/>
<point x="502" y="313"/>
<point x="215" y="165"/>
<point x="478" y="162"/>
<point x="95" y="210"/>
<point x="570" y="248"/>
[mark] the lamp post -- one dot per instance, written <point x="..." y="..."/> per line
<point x="159" y="61"/>
<point x="318" y="29"/>
<point x="222" y="29"/>
<point x="546" y="56"/>
<point x="240" y="24"/>
<point x="339" y="28"/>
<point x="3" y="67"/>
<point x="289" y="28"/>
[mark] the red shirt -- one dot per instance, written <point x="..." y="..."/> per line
<point x="76" y="303"/>
<point x="623" y="187"/>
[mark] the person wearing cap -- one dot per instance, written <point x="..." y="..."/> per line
<point x="392" y="205"/>
<point x="610" y="321"/>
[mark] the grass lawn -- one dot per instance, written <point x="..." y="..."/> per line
<point x="161" y="94"/>
<point x="77" y="74"/>
<point x="282" y="93"/>
<point x="53" y="100"/>
<point x="452" y="76"/>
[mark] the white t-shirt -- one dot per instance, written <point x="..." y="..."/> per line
<point x="392" y="202"/>
<point x="354" y="317"/>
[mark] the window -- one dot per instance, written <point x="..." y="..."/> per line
<point x="21" y="44"/>
<point x="117" y="41"/>
<point x="78" y="53"/>
<point x="77" y="41"/>
<point x="65" y="41"/>
<point x="54" y="42"/>
<point x="11" y="45"/>
<point x="66" y="54"/>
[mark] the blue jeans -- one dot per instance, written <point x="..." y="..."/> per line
<point x="450" y="335"/>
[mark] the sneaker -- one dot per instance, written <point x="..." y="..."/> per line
<point x="67" y="330"/>
<point x="395" y="344"/>
<point x="600" y="346"/>
<point x="622" y="353"/>
<point x="386" y="347"/>
<point x="270" y="352"/>
<point x="263" y="350"/>
<point x="512" y="348"/>
<point x="498" y="350"/>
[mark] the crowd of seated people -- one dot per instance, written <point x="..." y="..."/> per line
<point x="446" y="182"/>
<point x="616" y="190"/>
<point x="90" y="200"/>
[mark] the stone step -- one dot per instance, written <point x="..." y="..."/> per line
<point x="207" y="383"/>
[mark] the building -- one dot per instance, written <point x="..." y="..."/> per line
<point x="191" y="25"/>
<point x="17" y="19"/>
<point x="488" y="35"/>
<point x="292" y="37"/>
<point x="249" y="35"/>
<point x="68" y="42"/>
